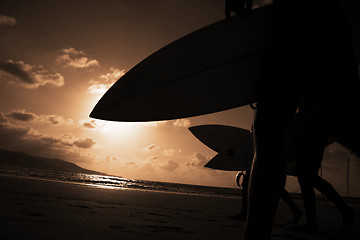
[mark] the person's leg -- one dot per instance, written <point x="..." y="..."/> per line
<point x="277" y="102"/>
<point x="280" y="87"/>
<point x="244" y="195"/>
<point x="267" y="178"/>
<point x="245" y="189"/>
<point x="285" y="196"/>
<point x="329" y="192"/>
<point x="309" y="199"/>
<point x="313" y="141"/>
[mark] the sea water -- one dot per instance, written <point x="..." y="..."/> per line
<point x="115" y="182"/>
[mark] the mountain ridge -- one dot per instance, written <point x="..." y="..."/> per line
<point x="23" y="160"/>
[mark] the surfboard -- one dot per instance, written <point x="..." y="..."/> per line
<point x="219" y="137"/>
<point x="236" y="157"/>
<point x="235" y="147"/>
<point x="181" y="79"/>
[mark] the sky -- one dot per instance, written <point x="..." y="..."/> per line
<point x="57" y="58"/>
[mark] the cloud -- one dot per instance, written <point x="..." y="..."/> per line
<point x="148" y="167"/>
<point x="168" y="123"/>
<point x="111" y="158"/>
<point x="151" y="147"/>
<point x="50" y="139"/>
<point x="70" y="57"/>
<point x="154" y="124"/>
<point x="152" y="158"/>
<point x="84" y="143"/>
<point x="3" y="119"/>
<point x="105" y="81"/>
<point x="95" y="124"/>
<point x="172" y="123"/>
<point x="21" y="115"/>
<point x="90" y="125"/>
<point x="7" y="21"/>
<point x="131" y="164"/>
<point x="198" y="160"/>
<point x="169" y="152"/>
<point x="55" y="120"/>
<point x="182" y="123"/>
<point x="27" y="75"/>
<point x="9" y="132"/>
<point x="26" y="139"/>
<point x="170" y="166"/>
<point x="68" y="140"/>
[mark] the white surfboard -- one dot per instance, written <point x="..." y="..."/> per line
<point x="181" y="79"/>
<point x="234" y="145"/>
<point x="236" y="157"/>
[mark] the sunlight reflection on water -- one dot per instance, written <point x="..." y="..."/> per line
<point x="114" y="182"/>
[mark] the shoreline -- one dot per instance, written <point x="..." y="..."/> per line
<point x="41" y="209"/>
<point x="116" y="188"/>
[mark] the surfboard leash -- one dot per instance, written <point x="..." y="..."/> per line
<point x="348" y="175"/>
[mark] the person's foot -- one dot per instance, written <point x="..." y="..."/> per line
<point x="305" y="228"/>
<point x="296" y="217"/>
<point x="348" y="219"/>
<point x="238" y="217"/>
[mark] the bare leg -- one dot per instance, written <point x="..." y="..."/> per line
<point x="329" y="191"/>
<point x="245" y="191"/>
<point x="313" y="143"/>
<point x="308" y="195"/>
<point x="244" y="204"/>
<point x="285" y="196"/>
<point x="268" y="173"/>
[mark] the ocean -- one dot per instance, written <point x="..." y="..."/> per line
<point x="115" y="182"/>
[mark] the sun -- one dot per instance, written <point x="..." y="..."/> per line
<point x="123" y="128"/>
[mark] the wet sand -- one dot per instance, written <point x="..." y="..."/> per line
<point x="40" y="209"/>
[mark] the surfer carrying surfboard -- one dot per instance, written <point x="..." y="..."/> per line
<point x="307" y="159"/>
<point x="313" y="60"/>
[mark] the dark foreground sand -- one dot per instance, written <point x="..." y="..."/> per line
<point x="39" y="209"/>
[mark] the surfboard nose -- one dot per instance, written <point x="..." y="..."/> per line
<point x="96" y="111"/>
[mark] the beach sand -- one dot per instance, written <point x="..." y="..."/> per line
<point x="41" y="209"/>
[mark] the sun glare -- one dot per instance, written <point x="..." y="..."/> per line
<point x="118" y="127"/>
<point x="118" y="134"/>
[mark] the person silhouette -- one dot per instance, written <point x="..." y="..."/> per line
<point x="312" y="58"/>
<point x="306" y="169"/>
<point x="309" y="155"/>
<point x="285" y="196"/>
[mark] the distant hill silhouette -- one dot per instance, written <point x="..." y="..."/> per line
<point x="23" y="160"/>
